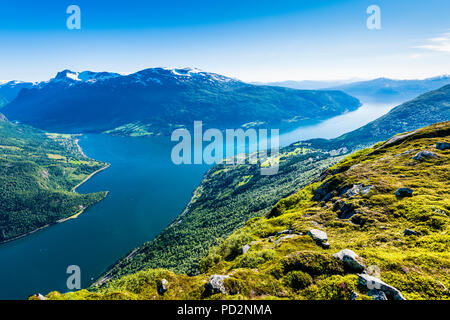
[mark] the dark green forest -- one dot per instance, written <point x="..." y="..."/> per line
<point x="37" y="174"/>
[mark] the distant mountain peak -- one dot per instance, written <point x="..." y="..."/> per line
<point x="85" y="76"/>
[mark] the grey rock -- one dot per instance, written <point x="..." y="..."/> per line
<point x="216" y="285"/>
<point x="320" y="237"/>
<point x="346" y="210"/>
<point x="284" y="232"/>
<point x="424" y="154"/>
<point x="397" y="139"/>
<point x="284" y="237"/>
<point x="353" y="295"/>
<point x="40" y="296"/>
<point x="351" y="260"/>
<point x="375" y="283"/>
<point x="245" y="249"/>
<point x="163" y="286"/>
<point x="377" y="294"/>
<point x="442" y="145"/>
<point x="404" y="192"/>
<point x="409" y="232"/>
<point x="357" y="189"/>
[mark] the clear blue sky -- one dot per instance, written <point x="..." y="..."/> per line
<point x="257" y="40"/>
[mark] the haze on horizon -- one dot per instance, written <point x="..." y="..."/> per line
<point x="260" y="41"/>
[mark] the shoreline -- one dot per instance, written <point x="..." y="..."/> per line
<point x="74" y="189"/>
<point x="74" y="216"/>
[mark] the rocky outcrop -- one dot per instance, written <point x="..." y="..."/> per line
<point x="346" y="210"/>
<point x="320" y="237"/>
<point x="2" y="117"/>
<point x="284" y="237"/>
<point x="409" y="232"/>
<point x="373" y="283"/>
<point x="162" y="288"/>
<point x="424" y="154"/>
<point x="357" y="189"/>
<point x="377" y="294"/>
<point x="216" y="285"/>
<point x="404" y="192"/>
<point x="351" y="260"/>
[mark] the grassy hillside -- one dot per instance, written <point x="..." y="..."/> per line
<point x="401" y="236"/>
<point x="37" y="174"/>
<point x="429" y="108"/>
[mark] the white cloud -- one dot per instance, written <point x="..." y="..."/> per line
<point x="440" y="44"/>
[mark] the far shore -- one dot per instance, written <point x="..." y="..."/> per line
<point x="72" y="190"/>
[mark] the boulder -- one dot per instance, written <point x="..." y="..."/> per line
<point x="40" y="297"/>
<point x="351" y="260"/>
<point x="404" y="192"/>
<point x="442" y="145"/>
<point x="409" y="232"/>
<point x="284" y="237"/>
<point x="163" y="286"/>
<point x="216" y="285"/>
<point x="245" y="249"/>
<point x="377" y="294"/>
<point x="397" y="139"/>
<point x="346" y="210"/>
<point x="357" y="189"/>
<point x="320" y="237"/>
<point x="373" y="283"/>
<point x="424" y="154"/>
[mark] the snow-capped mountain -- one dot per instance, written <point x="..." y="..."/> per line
<point x="157" y="100"/>
<point x="10" y="89"/>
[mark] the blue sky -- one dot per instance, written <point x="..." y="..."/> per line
<point x="250" y="40"/>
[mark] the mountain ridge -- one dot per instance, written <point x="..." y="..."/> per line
<point x="156" y="101"/>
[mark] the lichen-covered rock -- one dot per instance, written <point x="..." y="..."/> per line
<point x="216" y="285"/>
<point x="245" y="249"/>
<point x="351" y="260"/>
<point x="358" y="189"/>
<point x="346" y="210"/>
<point x="404" y="192"/>
<point x="320" y="237"/>
<point x="284" y="237"/>
<point x="424" y="154"/>
<point x="373" y="283"/>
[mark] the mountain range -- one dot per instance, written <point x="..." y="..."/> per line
<point x="156" y="101"/>
<point x="10" y="89"/>
<point x="381" y="90"/>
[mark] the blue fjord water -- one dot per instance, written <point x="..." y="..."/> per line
<point x="146" y="192"/>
